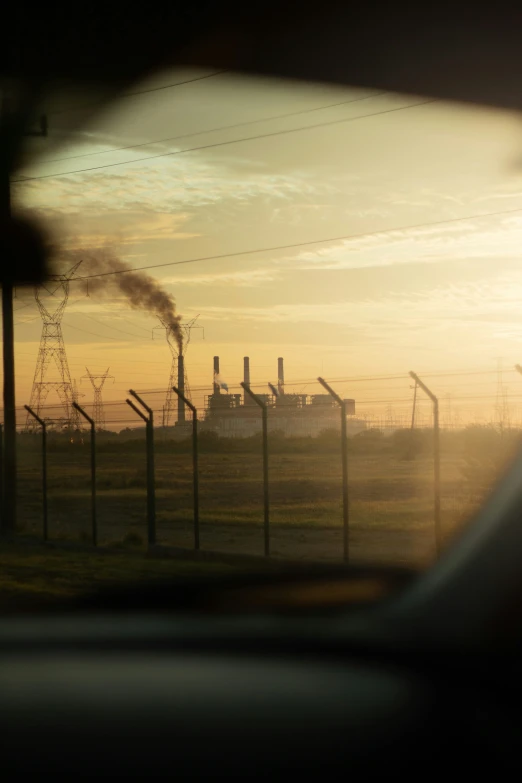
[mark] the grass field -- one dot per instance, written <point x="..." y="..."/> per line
<point x="34" y="574"/>
<point x="391" y="506"/>
<point x="391" y="514"/>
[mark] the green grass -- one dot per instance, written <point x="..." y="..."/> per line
<point x="386" y="493"/>
<point x="34" y="573"/>
<point x="391" y="513"/>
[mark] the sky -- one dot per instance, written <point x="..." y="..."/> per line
<point x="405" y="267"/>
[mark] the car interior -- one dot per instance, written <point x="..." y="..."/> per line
<point x="322" y="669"/>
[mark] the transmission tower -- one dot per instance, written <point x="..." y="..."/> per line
<point x="98" y="382"/>
<point x="52" y="349"/>
<point x="178" y="372"/>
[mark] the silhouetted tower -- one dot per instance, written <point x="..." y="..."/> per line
<point x="52" y="349"/>
<point x="178" y="373"/>
<point x="98" y="382"/>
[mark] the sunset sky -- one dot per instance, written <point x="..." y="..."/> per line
<point x="435" y="299"/>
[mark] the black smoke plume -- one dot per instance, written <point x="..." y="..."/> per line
<point x="141" y="290"/>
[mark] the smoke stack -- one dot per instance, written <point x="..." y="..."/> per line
<point x="280" y="376"/>
<point x="181" y="387"/>
<point x="246" y="370"/>
<point x="217" y="388"/>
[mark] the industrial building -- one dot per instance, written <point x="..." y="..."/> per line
<point x="237" y="415"/>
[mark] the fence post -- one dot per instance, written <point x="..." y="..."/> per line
<point x="344" y="458"/>
<point x="150" y="506"/>
<point x="436" y="459"/>
<point x="151" y="482"/>
<point x="43" y="425"/>
<point x="266" y="507"/>
<point x="94" y="521"/>
<point x="195" y="469"/>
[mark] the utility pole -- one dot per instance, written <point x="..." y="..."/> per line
<point x="9" y="456"/>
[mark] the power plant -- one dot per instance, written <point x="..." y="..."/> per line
<point x="237" y="415"/>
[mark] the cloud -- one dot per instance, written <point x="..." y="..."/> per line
<point x="167" y="184"/>
<point x="129" y="227"/>
<point x="456" y="241"/>
<point x="495" y="301"/>
<point x="247" y="279"/>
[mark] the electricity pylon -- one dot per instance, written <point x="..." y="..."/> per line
<point x="178" y="373"/>
<point x="98" y="382"/>
<point x="52" y="348"/>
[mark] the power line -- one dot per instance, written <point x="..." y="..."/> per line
<point x="106" y="337"/>
<point x="292" y="381"/>
<point x="133" y="323"/>
<point x="228" y="143"/>
<point x="296" y="381"/>
<point x="308" y="381"/>
<point x="83" y="359"/>
<point x="433" y="374"/>
<point x="115" y="328"/>
<point x="390" y="400"/>
<point x="309" y="243"/>
<point x="138" y="92"/>
<point x="121" y="317"/>
<point x="215" y="130"/>
<point x="27" y="321"/>
<point x="457" y="397"/>
<point x="94" y="334"/>
<point x="454" y="374"/>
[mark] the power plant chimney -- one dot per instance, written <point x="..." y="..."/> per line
<point x="217" y="387"/>
<point x="280" y="376"/>
<point x="181" y="387"/>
